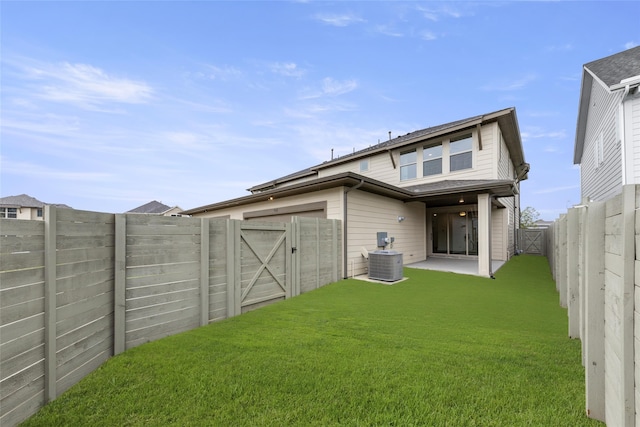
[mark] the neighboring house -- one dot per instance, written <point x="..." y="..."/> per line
<point x="156" y="208"/>
<point x="541" y="223"/>
<point x="449" y="191"/>
<point x="607" y="145"/>
<point x="24" y="207"/>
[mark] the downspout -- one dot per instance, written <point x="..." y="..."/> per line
<point x="491" y="198"/>
<point x="622" y="135"/>
<point x="345" y="228"/>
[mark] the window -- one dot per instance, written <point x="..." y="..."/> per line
<point x="364" y="165"/>
<point x="39" y="213"/>
<point x="408" y="165"/>
<point x="8" y="212"/>
<point x="432" y="164"/>
<point x="460" y="153"/>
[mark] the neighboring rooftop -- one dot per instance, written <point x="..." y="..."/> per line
<point x="613" y="69"/>
<point x="26" y="201"/>
<point x="153" y="207"/>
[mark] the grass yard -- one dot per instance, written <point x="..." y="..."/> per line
<point x="439" y="349"/>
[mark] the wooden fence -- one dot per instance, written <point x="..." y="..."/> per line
<point x="532" y="241"/>
<point x="594" y="252"/>
<point x="81" y="286"/>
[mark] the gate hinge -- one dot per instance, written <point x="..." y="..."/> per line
<point x="293" y="249"/>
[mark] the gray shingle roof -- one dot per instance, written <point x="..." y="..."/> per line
<point x="385" y="145"/>
<point x="153" y="207"/>
<point x="615" y="68"/>
<point x="26" y="201"/>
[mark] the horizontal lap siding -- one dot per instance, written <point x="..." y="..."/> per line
<point x="21" y="319"/>
<point x="85" y="280"/>
<point x="369" y="214"/>
<point x="162" y="277"/>
<point x="601" y="181"/>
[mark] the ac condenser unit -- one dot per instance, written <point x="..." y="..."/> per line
<point x="385" y="265"/>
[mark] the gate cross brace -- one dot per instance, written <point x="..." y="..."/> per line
<point x="265" y="264"/>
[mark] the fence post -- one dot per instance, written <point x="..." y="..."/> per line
<point x="204" y="271"/>
<point x="573" y="285"/>
<point x="334" y="250"/>
<point x="627" y="306"/>
<point x="119" y="283"/>
<point x="594" y="311"/>
<point x="232" y="262"/>
<point x="50" y="305"/>
<point x="561" y="281"/>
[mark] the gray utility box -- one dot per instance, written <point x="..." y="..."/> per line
<point x="385" y="265"/>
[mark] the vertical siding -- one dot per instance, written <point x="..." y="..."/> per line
<point x="602" y="181"/>
<point x="369" y="213"/>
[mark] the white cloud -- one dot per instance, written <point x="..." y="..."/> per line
<point x="87" y="86"/>
<point x="512" y="85"/>
<point x="342" y="20"/>
<point x="288" y="69"/>
<point x="630" y="44"/>
<point x="32" y="171"/>
<point x="427" y="35"/>
<point x="556" y="189"/>
<point x="330" y="87"/>
<point x="224" y="72"/>
<point x="436" y="14"/>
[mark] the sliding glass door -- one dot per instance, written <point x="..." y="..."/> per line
<point x="455" y="233"/>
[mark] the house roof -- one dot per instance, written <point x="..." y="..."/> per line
<point x="153" y="207"/>
<point x="614" y="72"/>
<point x="26" y="201"/>
<point x="506" y="119"/>
<point x="443" y="193"/>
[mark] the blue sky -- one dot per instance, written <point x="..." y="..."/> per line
<point x="106" y="106"/>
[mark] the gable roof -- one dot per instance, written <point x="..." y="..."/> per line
<point x="506" y="119"/>
<point x="153" y="207"/>
<point x="26" y="201"/>
<point x="614" y="72"/>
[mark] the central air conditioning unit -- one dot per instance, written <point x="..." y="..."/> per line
<point x="385" y="265"/>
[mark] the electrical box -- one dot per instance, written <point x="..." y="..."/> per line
<point x="382" y="239"/>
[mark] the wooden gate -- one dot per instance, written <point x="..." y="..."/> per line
<point x="264" y="271"/>
<point x="532" y="240"/>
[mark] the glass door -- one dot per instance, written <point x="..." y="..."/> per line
<point x="455" y="233"/>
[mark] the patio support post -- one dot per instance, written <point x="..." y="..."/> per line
<point x="484" y="235"/>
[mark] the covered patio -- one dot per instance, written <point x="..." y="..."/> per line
<point x="454" y="265"/>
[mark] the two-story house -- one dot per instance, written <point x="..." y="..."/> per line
<point x="607" y="145"/>
<point x="446" y="191"/>
<point x="23" y="207"/>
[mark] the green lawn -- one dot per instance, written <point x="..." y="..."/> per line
<point x="439" y="349"/>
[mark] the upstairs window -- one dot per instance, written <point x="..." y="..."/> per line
<point x="432" y="164"/>
<point x="461" y="153"/>
<point x="8" y="212"/>
<point x="364" y="165"/>
<point x="408" y="165"/>
<point x="39" y="213"/>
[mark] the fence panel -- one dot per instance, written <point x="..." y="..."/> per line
<point x="22" y="276"/>
<point x="595" y="261"/>
<point x="81" y="286"/>
<point x="162" y="277"/>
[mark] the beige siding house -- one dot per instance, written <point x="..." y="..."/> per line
<point x="23" y="207"/>
<point x="607" y="145"/>
<point x="446" y="191"/>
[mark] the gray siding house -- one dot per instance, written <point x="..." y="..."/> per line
<point x="607" y="145"/>
<point x="446" y="191"/>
